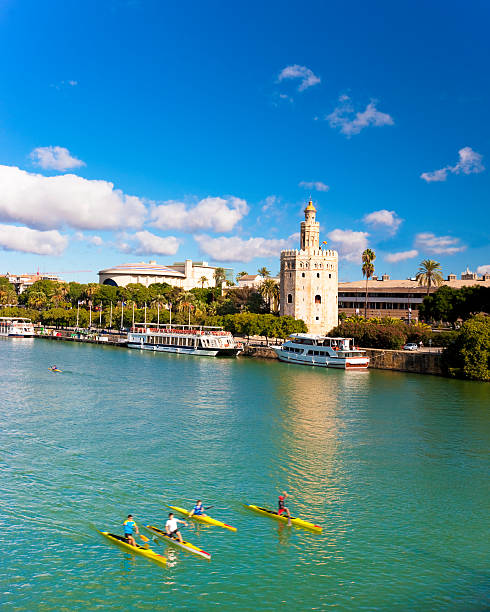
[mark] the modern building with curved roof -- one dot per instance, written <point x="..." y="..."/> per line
<point x="186" y="275"/>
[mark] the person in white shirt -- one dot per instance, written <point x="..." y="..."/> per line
<point x="172" y="527"/>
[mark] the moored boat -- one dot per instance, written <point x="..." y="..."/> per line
<point x="283" y="518"/>
<point x="323" y="351"/>
<point x="16" y="327"/>
<point x="140" y="550"/>
<point x="185" y="545"/>
<point x="183" y="339"/>
<point x="203" y="519"/>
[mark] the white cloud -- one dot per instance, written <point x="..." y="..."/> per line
<point x="483" y="269"/>
<point x="318" y="185"/>
<point x="26" y="240"/>
<point x="343" y="117"/>
<point x="66" y="200"/>
<point x="401" y="256"/>
<point x="438" y="245"/>
<point x="270" y="203"/>
<point x="308" y="78"/>
<point x="348" y="243"/>
<point x="55" y="158"/>
<point x="470" y="162"/>
<point x="234" y="248"/>
<point x="146" y="243"/>
<point x="385" y="219"/>
<point x="95" y="240"/>
<point x="215" y="214"/>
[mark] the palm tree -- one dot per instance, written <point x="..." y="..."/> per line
<point x="8" y="296"/>
<point x="219" y="276"/>
<point x="368" y="256"/>
<point x="37" y="299"/>
<point x="268" y="290"/>
<point x="429" y="274"/>
<point x="264" y="272"/>
<point x="203" y="280"/>
<point x="240" y="274"/>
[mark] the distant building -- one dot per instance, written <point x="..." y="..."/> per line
<point x="309" y="279"/>
<point x="254" y="280"/>
<point x="185" y="275"/>
<point x="396" y="298"/>
<point x="22" y="281"/>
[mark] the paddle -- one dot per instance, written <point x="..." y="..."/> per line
<point x="144" y="538"/>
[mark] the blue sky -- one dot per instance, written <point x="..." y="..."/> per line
<point x="136" y="130"/>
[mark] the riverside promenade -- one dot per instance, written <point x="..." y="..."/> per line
<point x="425" y="361"/>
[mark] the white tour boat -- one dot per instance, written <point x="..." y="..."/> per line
<point x="16" y="327"/>
<point x="310" y="349"/>
<point x="186" y="339"/>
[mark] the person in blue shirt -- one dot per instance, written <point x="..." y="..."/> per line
<point x="129" y="525"/>
<point x="198" y="509"/>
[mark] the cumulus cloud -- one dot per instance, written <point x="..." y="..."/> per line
<point x="348" y="243"/>
<point x="470" y="162"/>
<point x="234" y="248"/>
<point x="146" y="243"/>
<point x="215" y="214"/>
<point x="270" y="203"/>
<point x="350" y="122"/>
<point x="66" y="200"/>
<point x="317" y="185"/>
<point x="483" y="269"/>
<point x="95" y="240"/>
<point x="306" y="76"/>
<point x="55" y="158"/>
<point x="401" y="256"/>
<point x="26" y="240"/>
<point x="438" y="245"/>
<point x="384" y="219"/>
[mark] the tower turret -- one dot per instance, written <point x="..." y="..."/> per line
<point x="310" y="229"/>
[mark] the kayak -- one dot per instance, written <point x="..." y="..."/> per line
<point x="185" y="545"/>
<point x="55" y="370"/>
<point x="203" y="519"/>
<point x="145" y="552"/>
<point x="295" y="521"/>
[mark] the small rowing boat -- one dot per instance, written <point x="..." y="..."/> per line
<point x="283" y="517"/>
<point x="55" y="370"/>
<point x="145" y="552"/>
<point x="203" y="518"/>
<point x="185" y="545"/>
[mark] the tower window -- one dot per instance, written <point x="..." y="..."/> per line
<point x="290" y="298"/>
<point x="318" y="299"/>
<point x="317" y="318"/>
<point x="303" y="274"/>
<point x="329" y="276"/>
<point x="318" y="274"/>
<point x="290" y="275"/>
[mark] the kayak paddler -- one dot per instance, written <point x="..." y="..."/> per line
<point x="129" y="525"/>
<point x="198" y="509"/>
<point x="282" y="508"/>
<point x="172" y="527"/>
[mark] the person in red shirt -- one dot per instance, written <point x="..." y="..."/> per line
<point x="282" y="508"/>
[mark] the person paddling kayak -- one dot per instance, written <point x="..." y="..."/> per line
<point x="282" y="508"/>
<point x="129" y="525"/>
<point x="172" y="527"/>
<point x="198" y="509"/>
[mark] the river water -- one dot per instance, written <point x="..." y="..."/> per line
<point x="394" y="466"/>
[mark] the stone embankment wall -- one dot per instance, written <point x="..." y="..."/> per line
<point x="405" y="361"/>
<point x="381" y="359"/>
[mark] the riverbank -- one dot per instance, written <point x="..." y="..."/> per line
<point x="416" y="362"/>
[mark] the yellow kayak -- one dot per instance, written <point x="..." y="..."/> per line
<point x="185" y="545"/>
<point x="295" y="521"/>
<point x="145" y="552"/>
<point x="203" y="519"/>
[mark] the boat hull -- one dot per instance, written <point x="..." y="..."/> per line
<point x="139" y="550"/>
<point x="203" y="519"/>
<point x="297" y="522"/>
<point x="184" y="545"/>
<point x="340" y="364"/>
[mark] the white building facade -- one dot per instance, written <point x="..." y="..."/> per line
<point x="309" y="279"/>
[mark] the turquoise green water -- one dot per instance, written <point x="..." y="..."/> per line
<point x="394" y="466"/>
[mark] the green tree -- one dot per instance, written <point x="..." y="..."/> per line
<point x="268" y="290"/>
<point x="219" y="276"/>
<point x="240" y="274"/>
<point x="264" y="272"/>
<point x="429" y="273"/>
<point x="203" y="280"/>
<point x="469" y="354"/>
<point x="368" y="257"/>
<point x="8" y="294"/>
<point x="37" y="300"/>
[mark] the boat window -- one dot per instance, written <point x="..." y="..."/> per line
<point x="311" y="352"/>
